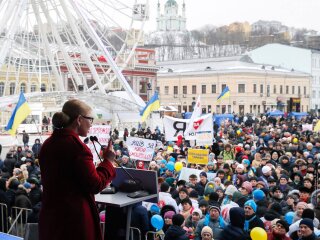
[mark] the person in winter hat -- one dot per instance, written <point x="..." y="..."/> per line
<point x="279" y="231"/>
<point x="307" y="230"/>
<point x="212" y="220"/>
<point x="251" y="219"/>
<point x="234" y="230"/>
<point x="206" y="233"/>
<point x="175" y="231"/>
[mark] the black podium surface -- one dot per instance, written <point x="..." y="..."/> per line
<point x="119" y="205"/>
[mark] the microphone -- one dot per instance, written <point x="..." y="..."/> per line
<point x="132" y="186"/>
<point x="86" y="140"/>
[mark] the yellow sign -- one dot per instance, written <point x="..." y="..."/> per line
<point x="198" y="156"/>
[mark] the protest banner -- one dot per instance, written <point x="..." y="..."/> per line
<point x="140" y="148"/>
<point x="202" y="129"/>
<point x="186" y="172"/>
<point x="198" y="156"/>
<point x="307" y="127"/>
<point x="102" y="132"/>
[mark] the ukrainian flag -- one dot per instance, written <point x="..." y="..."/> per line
<point x="152" y="105"/>
<point x="225" y="94"/>
<point x="20" y="113"/>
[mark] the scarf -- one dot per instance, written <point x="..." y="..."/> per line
<point x="247" y="222"/>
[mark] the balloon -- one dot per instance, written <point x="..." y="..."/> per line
<point x="178" y="166"/>
<point x="157" y="222"/>
<point x="172" y="159"/>
<point x="102" y="216"/>
<point x="289" y="217"/>
<point x="170" y="166"/>
<point x="295" y="140"/>
<point x="238" y="132"/>
<point x="258" y="233"/>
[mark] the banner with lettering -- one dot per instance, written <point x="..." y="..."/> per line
<point x="140" y="148"/>
<point x="102" y="132"/>
<point x="202" y="130"/>
<point x="198" y="156"/>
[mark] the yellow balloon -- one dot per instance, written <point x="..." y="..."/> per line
<point x="238" y="132"/>
<point x="258" y="233"/>
<point x="178" y="166"/>
<point x="295" y="140"/>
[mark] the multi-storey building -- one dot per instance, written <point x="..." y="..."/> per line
<point x="254" y="88"/>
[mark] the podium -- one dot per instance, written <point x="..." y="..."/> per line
<point x="119" y="205"/>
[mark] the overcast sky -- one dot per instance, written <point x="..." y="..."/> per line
<point x="293" y="13"/>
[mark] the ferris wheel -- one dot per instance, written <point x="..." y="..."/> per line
<point x="60" y="45"/>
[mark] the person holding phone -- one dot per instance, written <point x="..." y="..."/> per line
<point x="69" y="177"/>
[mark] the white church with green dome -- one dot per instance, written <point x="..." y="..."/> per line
<point x="170" y="20"/>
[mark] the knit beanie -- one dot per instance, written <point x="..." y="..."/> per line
<point x="284" y="224"/>
<point x="308" y="213"/>
<point x="207" y="229"/>
<point x="215" y="206"/>
<point x="258" y="194"/>
<point x="169" y="214"/>
<point x="308" y="222"/>
<point x="177" y="219"/>
<point x="251" y="204"/>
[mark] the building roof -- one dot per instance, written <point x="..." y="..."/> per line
<point x="241" y="64"/>
<point x="170" y="3"/>
<point x="284" y="56"/>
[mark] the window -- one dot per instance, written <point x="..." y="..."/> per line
<point x="23" y="87"/>
<point x="1" y="89"/>
<point x="194" y="89"/>
<point x="268" y="90"/>
<point x="53" y="87"/>
<point x="305" y="90"/>
<point x="175" y="90"/>
<point x="299" y="90"/>
<point x="293" y="90"/>
<point x="204" y="89"/>
<point x="254" y="88"/>
<point x="12" y="88"/>
<point x="166" y="90"/>
<point x="241" y="88"/>
<point x="261" y="88"/>
<point x="223" y="86"/>
<point x="287" y="89"/>
<point x="281" y="89"/>
<point x="44" y="88"/>
<point x="33" y="88"/>
<point x="274" y="89"/>
<point x="184" y="90"/>
<point x="213" y="88"/>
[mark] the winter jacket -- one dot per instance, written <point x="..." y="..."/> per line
<point x="216" y="226"/>
<point x="70" y="179"/>
<point x="175" y="233"/>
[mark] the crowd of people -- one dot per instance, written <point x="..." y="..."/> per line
<point x="266" y="176"/>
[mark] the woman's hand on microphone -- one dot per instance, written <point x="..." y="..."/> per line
<point x="108" y="152"/>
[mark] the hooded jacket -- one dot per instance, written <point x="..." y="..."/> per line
<point x="175" y="233"/>
<point x="235" y="229"/>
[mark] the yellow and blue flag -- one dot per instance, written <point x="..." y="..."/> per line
<point x="20" y="113"/>
<point x="225" y="94"/>
<point x="152" y="105"/>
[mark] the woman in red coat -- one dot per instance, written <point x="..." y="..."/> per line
<point x="70" y="178"/>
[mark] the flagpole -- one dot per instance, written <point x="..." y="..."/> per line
<point x="40" y="134"/>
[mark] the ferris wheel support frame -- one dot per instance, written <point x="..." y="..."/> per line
<point x="57" y="37"/>
<point x="43" y="32"/>
<point x="12" y="30"/>
<point x="102" y="47"/>
<point x="84" y="51"/>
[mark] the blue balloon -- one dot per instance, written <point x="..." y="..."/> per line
<point x="170" y="166"/>
<point x="172" y="159"/>
<point x="157" y="222"/>
<point x="289" y="217"/>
